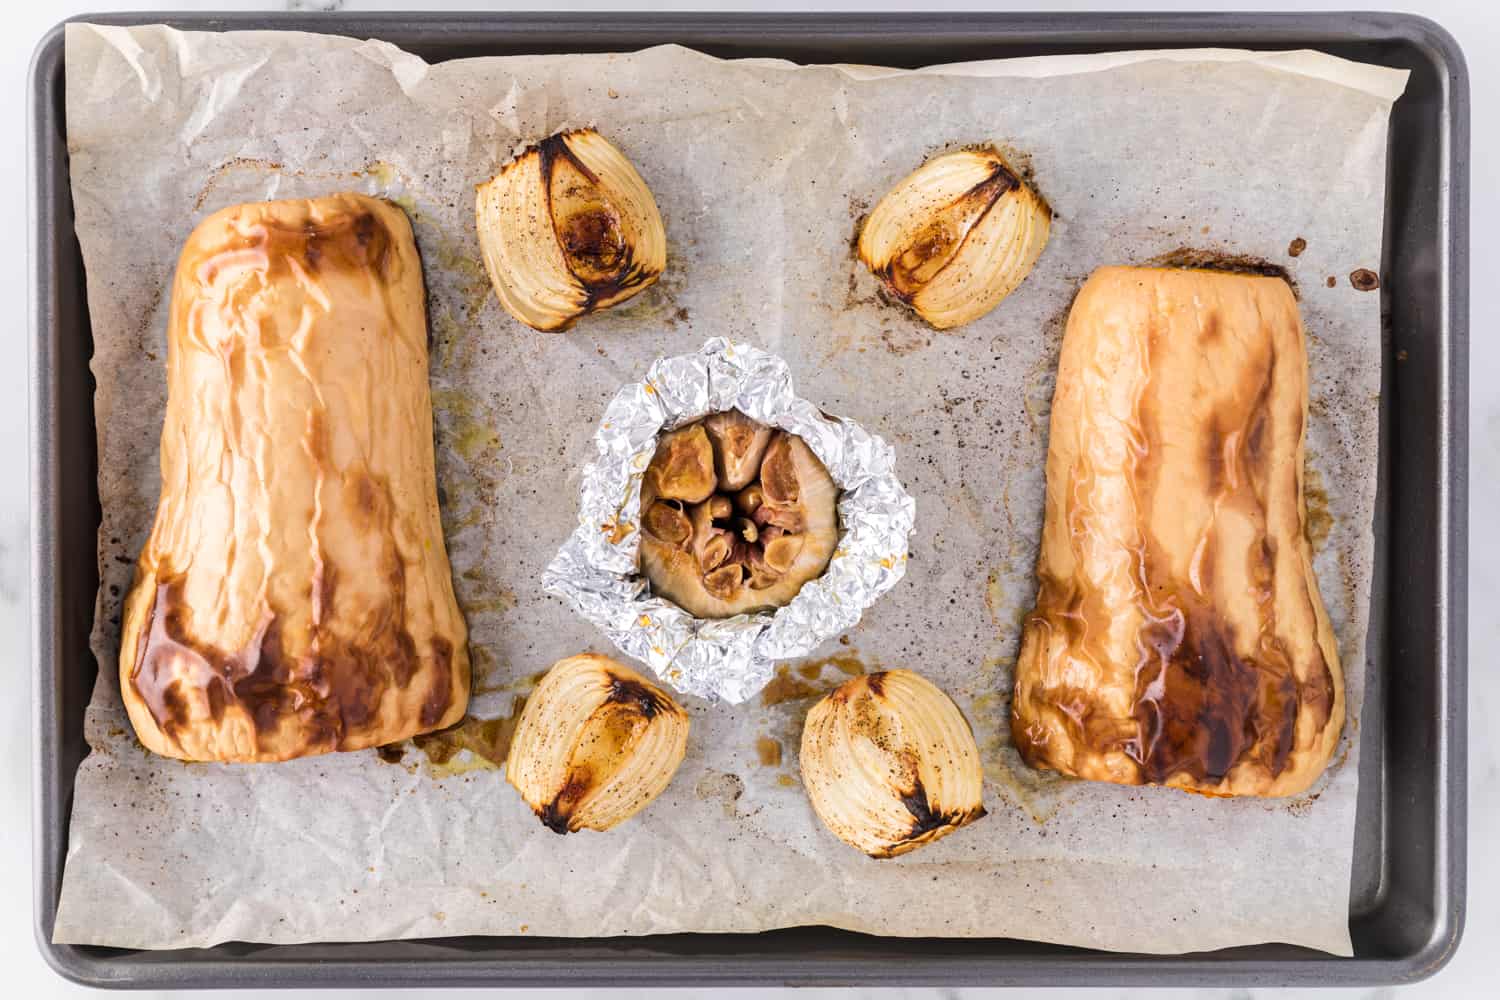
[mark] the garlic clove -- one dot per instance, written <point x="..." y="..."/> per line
<point x="567" y="228"/>
<point x="748" y="499"/>
<point x="739" y="443"/>
<point x="683" y="466"/>
<point x="720" y="508"/>
<point x="717" y="548"/>
<point x="595" y="744"/>
<point x="782" y="551"/>
<point x="785" y="518"/>
<point x="666" y="520"/>
<point x="890" y="763"/>
<point x="778" y="473"/>
<point x="956" y="236"/>
<point x="724" y="582"/>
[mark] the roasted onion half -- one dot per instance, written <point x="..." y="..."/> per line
<point x="890" y="763"/>
<point x="736" y="517"/>
<point x="567" y="228"/>
<point x="595" y="744"/>
<point x="956" y="236"/>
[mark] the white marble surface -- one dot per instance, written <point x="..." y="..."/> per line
<point x="1473" y="22"/>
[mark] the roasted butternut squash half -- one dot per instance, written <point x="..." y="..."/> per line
<point x="1178" y="636"/>
<point x="294" y="596"/>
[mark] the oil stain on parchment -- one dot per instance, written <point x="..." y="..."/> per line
<point x="1039" y="794"/>
<point x="1221" y="259"/>
<point x="768" y="750"/>
<point x="723" y="787"/>
<point x="486" y="740"/>
<point x="1319" y="518"/>
<point x="784" y="687"/>
<point x="807" y="682"/>
<point x="790" y="696"/>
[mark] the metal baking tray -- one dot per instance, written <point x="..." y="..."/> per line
<point x="1407" y="903"/>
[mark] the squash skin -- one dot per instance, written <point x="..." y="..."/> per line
<point x="295" y="596"/>
<point x="1178" y="636"/>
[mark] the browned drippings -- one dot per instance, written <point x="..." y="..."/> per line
<point x="1205" y="259"/>
<point x="1319" y="517"/>
<point x="487" y="739"/>
<point x="1365" y="280"/>
<point x="785" y="687"/>
<point x="769" y="751"/>
<point x="725" y="788"/>
<point x="848" y="664"/>
<point x="391" y="753"/>
<point x="1295" y="248"/>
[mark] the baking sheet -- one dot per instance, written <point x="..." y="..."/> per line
<point x="761" y="171"/>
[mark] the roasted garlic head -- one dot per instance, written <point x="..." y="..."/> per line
<point x="736" y="517"/>
<point x="595" y="744"/>
<point x="568" y="228"/>
<point x="956" y="236"/>
<point x="890" y="763"/>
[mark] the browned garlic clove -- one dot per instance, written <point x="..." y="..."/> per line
<point x="720" y="508"/>
<point x="724" y="582"/>
<point x="739" y="443"/>
<point x="785" y="518"/>
<point x="778" y="474"/>
<point x="781" y="552"/>
<point x="715" y="550"/>
<point x="683" y="466"/>
<point x="666" y="520"/>
<point x="747" y="500"/>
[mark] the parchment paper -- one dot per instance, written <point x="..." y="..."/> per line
<point x="762" y="171"/>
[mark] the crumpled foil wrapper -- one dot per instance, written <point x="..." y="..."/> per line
<point x="598" y="569"/>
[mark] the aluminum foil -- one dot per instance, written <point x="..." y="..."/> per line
<point x="598" y="569"/>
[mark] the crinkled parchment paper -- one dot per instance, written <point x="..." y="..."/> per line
<point x="762" y="171"/>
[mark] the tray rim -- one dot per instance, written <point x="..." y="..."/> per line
<point x="311" y="965"/>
